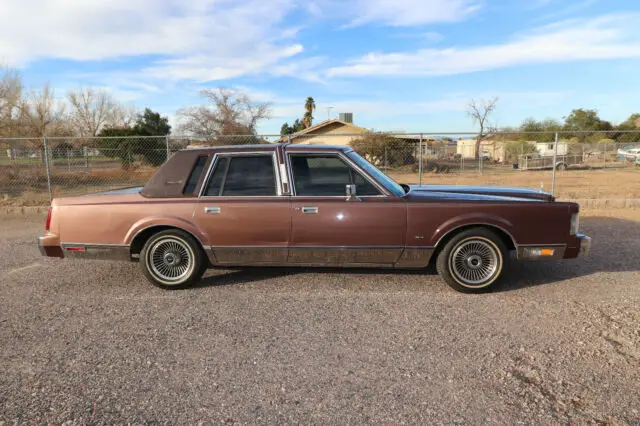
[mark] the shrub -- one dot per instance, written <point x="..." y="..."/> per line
<point x="515" y="149"/>
<point x="385" y="150"/>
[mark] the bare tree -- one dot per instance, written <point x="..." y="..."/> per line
<point x="123" y="116"/>
<point x="479" y="111"/>
<point x="91" y="110"/>
<point x="41" y="114"/>
<point x="229" y="112"/>
<point x="10" y="95"/>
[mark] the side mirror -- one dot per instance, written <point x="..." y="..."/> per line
<point x="351" y="193"/>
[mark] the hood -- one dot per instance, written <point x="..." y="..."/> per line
<point x="491" y="191"/>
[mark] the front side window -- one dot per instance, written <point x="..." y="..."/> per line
<point x="243" y="176"/>
<point x="326" y="175"/>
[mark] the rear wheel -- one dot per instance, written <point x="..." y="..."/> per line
<point x="473" y="261"/>
<point x="172" y="259"/>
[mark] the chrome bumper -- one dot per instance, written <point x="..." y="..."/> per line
<point x="41" y="246"/>
<point x="585" y="244"/>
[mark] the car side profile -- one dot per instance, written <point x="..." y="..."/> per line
<point x="298" y="205"/>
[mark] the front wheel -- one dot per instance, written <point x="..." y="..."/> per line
<point x="473" y="261"/>
<point x="172" y="259"/>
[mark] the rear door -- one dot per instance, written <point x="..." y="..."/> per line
<point x="328" y="230"/>
<point x="243" y="211"/>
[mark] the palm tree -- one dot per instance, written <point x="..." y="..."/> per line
<point x="309" y="107"/>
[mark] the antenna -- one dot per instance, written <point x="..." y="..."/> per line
<point x="329" y="108"/>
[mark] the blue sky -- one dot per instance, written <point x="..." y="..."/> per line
<point x="407" y="65"/>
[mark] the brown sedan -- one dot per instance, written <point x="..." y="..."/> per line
<point x="297" y="205"/>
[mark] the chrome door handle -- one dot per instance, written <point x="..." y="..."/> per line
<point x="310" y="210"/>
<point x="212" y="210"/>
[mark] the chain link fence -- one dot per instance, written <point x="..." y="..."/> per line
<point x="573" y="165"/>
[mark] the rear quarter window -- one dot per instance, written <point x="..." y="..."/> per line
<point x="194" y="176"/>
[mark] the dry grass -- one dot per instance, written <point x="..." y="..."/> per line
<point x="21" y="186"/>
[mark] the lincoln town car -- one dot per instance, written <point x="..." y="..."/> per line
<point x="296" y="205"/>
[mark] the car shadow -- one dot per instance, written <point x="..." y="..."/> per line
<point x="616" y="243"/>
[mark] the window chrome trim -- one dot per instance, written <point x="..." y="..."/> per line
<point x="218" y="155"/>
<point x="385" y="193"/>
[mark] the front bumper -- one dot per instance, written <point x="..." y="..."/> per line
<point x="585" y="245"/>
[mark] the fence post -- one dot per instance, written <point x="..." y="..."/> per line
<point x="48" y="168"/>
<point x="605" y="155"/>
<point x="420" y="161"/>
<point x="386" y="161"/>
<point x="555" y="156"/>
<point x="166" y="141"/>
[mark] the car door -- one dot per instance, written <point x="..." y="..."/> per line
<point x="329" y="230"/>
<point x="243" y="211"/>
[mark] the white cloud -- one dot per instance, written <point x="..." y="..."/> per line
<point x="197" y="39"/>
<point x="411" y="12"/>
<point x="606" y="37"/>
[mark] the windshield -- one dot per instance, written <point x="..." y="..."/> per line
<point x="385" y="180"/>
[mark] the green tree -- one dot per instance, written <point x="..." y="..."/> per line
<point x="586" y="120"/>
<point x="631" y="124"/>
<point x="151" y="123"/>
<point x="309" y="107"/>
<point x="296" y="127"/>
<point x="118" y="142"/>
<point x="548" y="126"/>
<point x="145" y="141"/>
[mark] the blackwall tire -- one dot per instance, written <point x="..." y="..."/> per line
<point x="173" y="259"/>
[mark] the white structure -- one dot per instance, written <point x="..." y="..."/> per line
<point x="546" y="149"/>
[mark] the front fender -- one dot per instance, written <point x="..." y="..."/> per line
<point x="472" y="219"/>
<point x="173" y="221"/>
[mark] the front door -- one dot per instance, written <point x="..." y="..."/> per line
<point x="329" y="230"/>
<point x="242" y="210"/>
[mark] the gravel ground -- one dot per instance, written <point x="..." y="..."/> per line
<point x="92" y="342"/>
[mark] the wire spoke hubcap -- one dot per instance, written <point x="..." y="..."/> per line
<point x="171" y="260"/>
<point x="475" y="262"/>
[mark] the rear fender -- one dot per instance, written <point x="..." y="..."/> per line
<point x="172" y="221"/>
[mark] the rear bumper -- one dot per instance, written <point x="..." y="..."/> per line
<point x="49" y="246"/>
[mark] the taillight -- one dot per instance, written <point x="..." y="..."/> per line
<point x="48" y="224"/>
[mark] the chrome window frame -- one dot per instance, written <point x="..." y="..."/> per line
<point x="214" y="162"/>
<point x="384" y="192"/>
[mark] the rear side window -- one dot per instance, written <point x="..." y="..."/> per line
<point x="194" y="177"/>
<point x="243" y="176"/>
